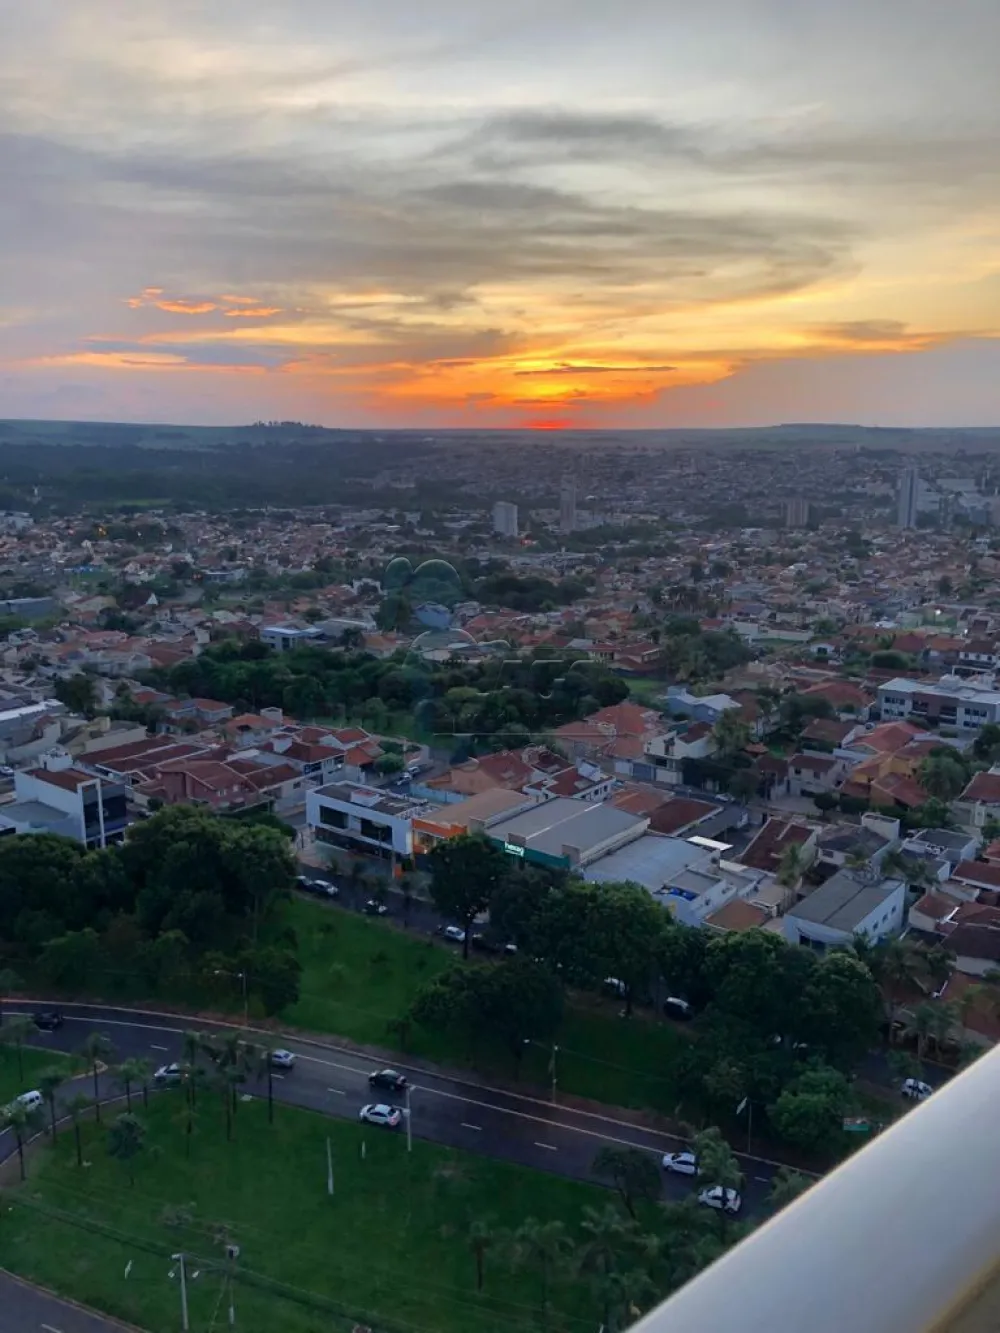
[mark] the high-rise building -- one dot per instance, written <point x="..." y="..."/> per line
<point x="567" y="505"/>
<point x="797" y="513"/>
<point x="908" y="497"/>
<point x="505" y="519"/>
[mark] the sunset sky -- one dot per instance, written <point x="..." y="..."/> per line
<point x="535" y="212"/>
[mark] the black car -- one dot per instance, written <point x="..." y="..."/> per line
<point x="374" y="908"/>
<point x="48" y="1020"/>
<point x="387" y="1078"/>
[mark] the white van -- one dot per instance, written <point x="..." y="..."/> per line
<point x="31" y="1101"/>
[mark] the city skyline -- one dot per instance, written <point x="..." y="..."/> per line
<point x="540" y="218"/>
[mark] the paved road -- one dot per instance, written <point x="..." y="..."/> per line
<point x="444" y="1110"/>
<point x="27" y="1309"/>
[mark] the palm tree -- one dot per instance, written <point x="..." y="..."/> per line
<point x="75" y="1108"/>
<point x="904" y="1065"/>
<point x="623" y="1296"/>
<point x="786" y="1186"/>
<point x="15" y="1033"/>
<point x="731" y="734"/>
<point x="132" y="1071"/>
<point x="991" y="830"/>
<point x="23" y="1121"/>
<point x="126" y="1139"/>
<point x="9" y="982"/>
<point x="922" y="1023"/>
<point x="544" y="1246"/>
<point x="482" y="1237"/>
<point x="98" y="1049"/>
<point x="792" y="865"/>
<point x="899" y="965"/>
<point x="608" y="1237"/>
<point x="263" y="1056"/>
<point x="49" y="1083"/>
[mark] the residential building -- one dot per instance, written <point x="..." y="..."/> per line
<point x="908" y="498"/>
<point x="951" y="702"/>
<point x="797" y="512"/>
<point x="286" y="637"/>
<point x="567" y="505"/>
<point x="58" y="798"/>
<point x="19" y="724"/>
<point x="767" y="850"/>
<point x="981" y="799"/>
<point x="505" y="519"/>
<point x="849" y="903"/>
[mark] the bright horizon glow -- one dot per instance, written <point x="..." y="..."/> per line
<point x="541" y="217"/>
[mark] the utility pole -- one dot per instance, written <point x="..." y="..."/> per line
<point x="179" y="1258"/>
<point x="329" y="1169"/>
<point x="409" y="1124"/>
<point x="552" y="1069"/>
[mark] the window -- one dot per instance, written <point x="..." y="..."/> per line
<point x="332" y="818"/>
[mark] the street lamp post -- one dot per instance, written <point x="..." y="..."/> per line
<point x="409" y="1122"/>
<point x="179" y="1258"/>
<point x="552" y="1068"/>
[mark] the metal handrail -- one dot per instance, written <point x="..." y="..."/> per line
<point x="898" y="1239"/>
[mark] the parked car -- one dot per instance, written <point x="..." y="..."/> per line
<point x="487" y="944"/>
<point x="916" y="1089"/>
<point x="374" y="908"/>
<point x="387" y="1078"/>
<point x="167" y="1075"/>
<point x="381" y="1114"/>
<point x="48" y="1020"/>
<point x="721" y="1199"/>
<point x="305" y="883"/>
<point x="615" y="987"/>
<point x="675" y="1007"/>
<point x="324" y="887"/>
<point x="282" y="1059"/>
<point x="681" y="1163"/>
<point x="453" y="933"/>
<point x="31" y="1101"/>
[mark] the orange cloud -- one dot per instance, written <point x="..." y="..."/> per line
<point x="181" y="307"/>
<point x="254" y="312"/>
<point x="239" y="300"/>
<point x="139" y="360"/>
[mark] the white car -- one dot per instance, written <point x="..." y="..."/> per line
<point x="454" y="933"/>
<point x="721" y="1199"/>
<point x="380" y="1114"/>
<point x="681" y="1163"/>
<point x="324" y="886"/>
<point x="916" y="1090"/>
<point x="167" y="1074"/>
<point x="31" y="1101"/>
<point x="282" y="1059"/>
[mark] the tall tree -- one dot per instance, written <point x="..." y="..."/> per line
<point x="126" y="1140"/>
<point x="49" y="1083"/>
<point x="9" y="983"/>
<point x="22" y="1121"/>
<point x="634" y="1172"/>
<point x="75" y="1108"/>
<point x="98" y="1049"/>
<point x="786" y="1186"/>
<point x="482" y="1238"/>
<point x="544" y="1246"/>
<point x="130" y="1072"/>
<point x="465" y="874"/>
<point x="731" y="734"/>
<point x="15" y="1032"/>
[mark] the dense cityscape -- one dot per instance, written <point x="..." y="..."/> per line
<point x="499" y="667"/>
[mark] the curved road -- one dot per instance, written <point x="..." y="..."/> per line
<point x="444" y="1109"/>
<point x="334" y="1081"/>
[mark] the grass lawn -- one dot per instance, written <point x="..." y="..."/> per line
<point x="390" y="1249"/>
<point x="358" y="975"/>
<point x="11" y="1081"/>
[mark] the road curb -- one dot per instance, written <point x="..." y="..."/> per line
<point x="89" y="1310"/>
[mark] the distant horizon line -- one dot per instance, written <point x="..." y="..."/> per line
<point x="499" y="430"/>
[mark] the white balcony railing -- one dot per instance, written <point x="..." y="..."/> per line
<point x="899" y="1239"/>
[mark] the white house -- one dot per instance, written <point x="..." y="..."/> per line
<point x="849" y="903"/>
<point x="362" y="819"/>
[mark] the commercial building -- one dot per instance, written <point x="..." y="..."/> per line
<point x="567" y="833"/>
<point x="850" y="903"/>
<point x="951" y="702"/>
<point x="363" y="819"/>
<point x="59" y="798"/>
<point x="908" y="498"/>
<point x="286" y="637"/>
<point x="505" y="519"/>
